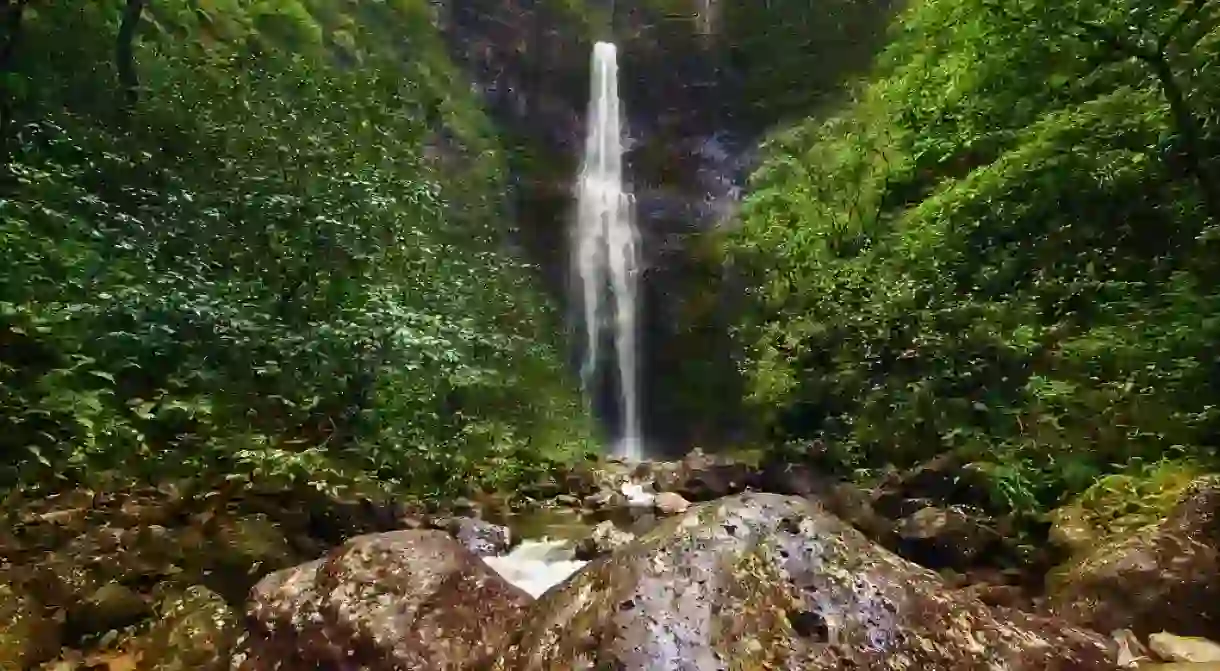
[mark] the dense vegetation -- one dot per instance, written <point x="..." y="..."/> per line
<point x="269" y="238"/>
<point x="791" y="55"/>
<point x="261" y="239"/>
<point x="1003" y="246"/>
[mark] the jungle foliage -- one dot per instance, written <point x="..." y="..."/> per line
<point x="262" y="239"/>
<point x="1003" y="245"/>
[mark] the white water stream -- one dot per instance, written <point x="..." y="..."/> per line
<point x="536" y="566"/>
<point x="606" y="249"/>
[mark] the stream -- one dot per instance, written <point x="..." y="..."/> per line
<point x="546" y="553"/>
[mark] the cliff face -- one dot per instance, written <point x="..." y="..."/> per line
<point x="694" y="77"/>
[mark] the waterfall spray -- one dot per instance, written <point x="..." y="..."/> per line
<point x="606" y="247"/>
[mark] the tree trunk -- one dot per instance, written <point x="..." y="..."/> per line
<point x="124" y="53"/>
<point x="1192" y="137"/>
<point x="14" y="11"/>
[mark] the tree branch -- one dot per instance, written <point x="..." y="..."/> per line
<point x="1188" y="13"/>
<point x="1085" y="31"/>
<point x="1109" y="38"/>
<point x="1156" y="59"/>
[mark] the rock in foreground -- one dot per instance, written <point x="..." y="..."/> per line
<point x="401" y="600"/>
<point x="773" y="582"/>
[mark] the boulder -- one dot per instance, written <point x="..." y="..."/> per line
<point x="586" y="478"/>
<point x="854" y="506"/>
<point x="1071" y="530"/>
<point x="604" y="499"/>
<point x="399" y="600"/>
<point x="669" y="503"/>
<point x="945" y="480"/>
<point x="603" y="539"/>
<point x="763" y="581"/>
<point x="1162" y="577"/>
<point x="253" y="542"/>
<point x="27" y="635"/>
<point x="111" y="606"/>
<point x="702" y="477"/>
<point x="226" y="552"/>
<point x="951" y="537"/>
<point x="196" y="631"/>
<point x="781" y="476"/>
<point x="1173" y="648"/>
<point x="483" y="539"/>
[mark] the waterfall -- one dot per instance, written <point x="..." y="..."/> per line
<point x="606" y="257"/>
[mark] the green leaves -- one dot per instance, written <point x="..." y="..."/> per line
<point x="258" y="272"/>
<point x="967" y="258"/>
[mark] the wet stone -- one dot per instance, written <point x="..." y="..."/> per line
<point x="761" y="581"/>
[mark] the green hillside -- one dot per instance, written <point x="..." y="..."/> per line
<point x="999" y="248"/>
<point x="263" y="239"/>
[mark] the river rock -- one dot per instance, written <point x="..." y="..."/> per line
<point x="1173" y="648"/>
<point x="781" y="476"/>
<point x="111" y="606"/>
<point x="254" y="542"/>
<point x="943" y="481"/>
<point x="702" y="477"/>
<point x="763" y="581"/>
<point x="950" y="537"/>
<point x="1163" y="577"/>
<point x="848" y="502"/>
<point x="483" y="539"/>
<point x="27" y="635"/>
<point x="669" y="503"/>
<point x="602" y="540"/>
<point x="195" y="632"/>
<point x="399" y="600"/>
<point x="1071" y="530"/>
<point x="605" y="499"/>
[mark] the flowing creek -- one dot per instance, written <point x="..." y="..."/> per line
<point x="546" y="554"/>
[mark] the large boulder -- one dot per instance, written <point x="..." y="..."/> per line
<point x="768" y="581"/>
<point x="27" y="635"/>
<point x="602" y="540"/>
<point x="952" y="537"/>
<point x="400" y="600"/>
<point x="196" y="631"/>
<point x="481" y="538"/>
<point x="702" y="477"/>
<point x="1164" y="577"/>
<point x="111" y="606"/>
<point x="945" y="480"/>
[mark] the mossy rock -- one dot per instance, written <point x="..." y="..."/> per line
<point x="1161" y="577"/>
<point x="111" y="606"/>
<point x="28" y="635"/>
<point x="196" y="632"/>
<point x="762" y="581"/>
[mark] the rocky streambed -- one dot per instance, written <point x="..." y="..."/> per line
<point x="683" y="565"/>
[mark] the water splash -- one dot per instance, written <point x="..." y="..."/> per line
<point x="606" y="248"/>
<point x="536" y="566"/>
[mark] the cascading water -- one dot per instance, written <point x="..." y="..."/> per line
<point x="536" y="565"/>
<point x="606" y="257"/>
